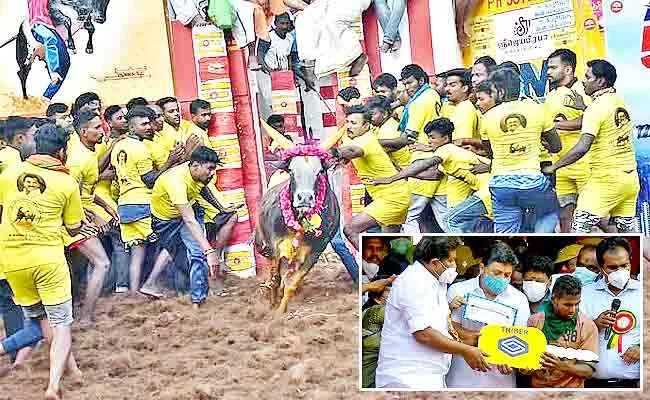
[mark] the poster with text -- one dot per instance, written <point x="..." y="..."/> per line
<point x="111" y="47"/>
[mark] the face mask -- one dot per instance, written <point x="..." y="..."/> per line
<point x="535" y="291"/>
<point x="370" y="269"/>
<point x="495" y="285"/>
<point x="619" y="278"/>
<point x="585" y="276"/>
<point x="448" y="275"/>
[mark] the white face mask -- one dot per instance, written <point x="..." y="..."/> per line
<point x="448" y="276"/>
<point x="370" y="269"/>
<point x="619" y="278"/>
<point x="535" y="291"/>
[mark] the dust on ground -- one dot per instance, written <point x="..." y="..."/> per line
<point x="234" y="348"/>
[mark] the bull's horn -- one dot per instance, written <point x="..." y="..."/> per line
<point x="279" y="138"/>
<point x="332" y="140"/>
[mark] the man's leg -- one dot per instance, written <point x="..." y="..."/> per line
<point x="21" y="343"/>
<point x="439" y="206"/>
<point x="339" y="246"/>
<point x="135" y="267"/>
<point x="508" y="215"/>
<point x="57" y="58"/>
<point x="583" y="221"/>
<point x="223" y="236"/>
<point x="199" y="285"/>
<point x="566" y="216"/>
<point x="360" y="223"/>
<point x="12" y="315"/>
<point x="60" y="321"/>
<point x="416" y="207"/>
<point x="464" y="217"/>
<point x="119" y="262"/>
<point x="150" y="286"/>
<point x="94" y="251"/>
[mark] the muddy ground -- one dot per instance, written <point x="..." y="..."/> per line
<point x="234" y="348"/>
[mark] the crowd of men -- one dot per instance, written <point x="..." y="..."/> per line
<point x="473" y="153"/>
<point x="416" y="334"/>
<point x="88" y="194"/>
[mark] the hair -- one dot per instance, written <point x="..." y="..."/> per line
<point x="609" y="244"/>
<point x="139" y="112"/>
<point x="603" y="69"/>
<point x="111" y="110"/>
<point x="567" y="57"/>
<point x="50" y="139"/>
<point x="136" y="101"/>
<point x="508" y="81"/>
<point x="199" y="104"/>
<point x="463" y="74"/>
<point x="502" y="253"/>
<point x="284" y="15"/>
<point x="488" y="62"/>
<point x="414" y="71"/>
<point x="485" y="87"/>
<point x="510" y="65"/>
<point x="567" y="285"/>
<point x="161" y="103"/>
<point x="587" y="247"/>
<point x="204" y="155"/>
<point x="358" y="110"/>
<point x="541" y="264"/>
<point x="430" y="247"/>
<point x="56" y="108"/>
<point x="275" y="119"/>
<point x="16" y="126"/>
<point x="83" y="118"/>
<point x="349" y="93"/>
<point x="379" y="102"/>
<point x="385" y="80"/>
<point x="441" y="125"/>
<point x="82" y="100"/>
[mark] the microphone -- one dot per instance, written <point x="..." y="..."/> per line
<point x="615" y="306"/>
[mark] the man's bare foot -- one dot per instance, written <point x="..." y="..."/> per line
<point x="196" y="306"/>
<point x="6" y="370"/>
<point x="254" y="63"/>
<point x="76" y="377"/>
<point x="385" y="47"/>
<point x="52" y="394"/>
<point x="152" y="292"/>
<point x="358" y="64"/>
<point x="396" y="45"/>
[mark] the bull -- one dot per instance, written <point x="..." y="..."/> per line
<point x="297" y="220"/>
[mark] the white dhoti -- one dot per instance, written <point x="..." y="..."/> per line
<point x="244" y="27"/>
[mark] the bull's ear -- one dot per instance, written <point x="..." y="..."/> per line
<point x="283" y="165"/>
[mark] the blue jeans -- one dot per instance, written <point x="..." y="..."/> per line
<point x="510" y="205"/>
<point x="468" y="217"/>
<point x="56" y="55"/>
<point x="28" y="336"/>
<point x="198" y="265"/>
<point x="12" y="315"/>
<point x="338" y="243"/>
<point x="390" y="19"/>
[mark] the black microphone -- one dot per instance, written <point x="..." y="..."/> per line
<point x="615" y="306"/>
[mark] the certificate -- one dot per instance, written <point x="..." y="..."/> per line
<point x="488" y="312"/>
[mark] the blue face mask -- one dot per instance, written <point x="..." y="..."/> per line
<point x="585" y="276"/>
<point x="495" y="285"/>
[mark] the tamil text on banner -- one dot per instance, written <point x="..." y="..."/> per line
<point x="115" y="66"/>
<point x="628" y="48"/>
<point x="528" y="32"/>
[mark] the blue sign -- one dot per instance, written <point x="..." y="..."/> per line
<point x="513" y="346"/>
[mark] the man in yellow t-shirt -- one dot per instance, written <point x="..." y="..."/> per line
<point x="174" y="127"/>
<point x="394" y="143"/>
<point x="18" y="136"/>
<point x="385" y="85"/>
<point x="457" y="163"/>
<point x="37" y="199"/>
<point x="560" y="103"/>
<point x="136" y="176"/>
<point x="424" y="105"/>
<point x="464" y="115"/>
<point x="512" y="132"/>
<point x="613" y="186"/>
<point x="389" y="202"/>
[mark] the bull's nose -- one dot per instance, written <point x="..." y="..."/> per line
<point x="304" y="198"/>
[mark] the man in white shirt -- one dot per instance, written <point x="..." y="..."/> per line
<point x="416" y="344"/>
<point x="493" y="284"/>
<point x="620" y="331"/>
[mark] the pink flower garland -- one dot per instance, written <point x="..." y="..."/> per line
<point x="288" y="215"/>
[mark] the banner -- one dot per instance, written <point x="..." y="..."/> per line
<point x="527" y="32"/>
<point x="127" y="57"/>
<point x="628" y="48"/>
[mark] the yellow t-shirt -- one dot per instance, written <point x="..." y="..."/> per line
<point x="167" y="138"/>
<point x="608" y="119"/>
<point x="424" y="109"/>
<point x="456" y="164"/>
<point x="389" y="130"/>
<point x="83" y="166"/>
<point x="73" y="140"/>
<point x="174" y="187"/>
<point x="447" y="109"/>
<point x="188" y="129"/>
<point x="158" y="154"/>
<point x="9" y="157"/>
<point x="514" y="130"/>
<point x="103" y="187"/>
<point x="466" y="121"/>
<point x="374" y="163"/>
<point x="131" y="160"/>
<point x="559" y="104"/>
<point x="36" y="203"/>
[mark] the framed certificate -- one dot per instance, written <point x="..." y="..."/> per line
<point x="484" y="311"/>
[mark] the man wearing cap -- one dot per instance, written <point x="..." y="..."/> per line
<point x="620" y="329"/>
<point x="416" y="341"/>
<point x="468" y="266"/>
<point x="567" y="263"/>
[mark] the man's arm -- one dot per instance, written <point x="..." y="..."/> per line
<point x="468" y="337"/>
<point x="416" y="167"/>
<point x="189" y="219"/>
<point x="394" y="144"/>
<point x="488" y="148"/>
<point x="577" y="368"/>
<point x="105" y="160"/>
<point x="349" y="152"/>
<point x="552" y="141"/>
<point x="209" y="196"/>
<point x="175" y="156"/>
<point x="571" y="125"/>
<point x="434" y="339"/>
<point x="100" y="202"/>
<point x="577" y="152"/>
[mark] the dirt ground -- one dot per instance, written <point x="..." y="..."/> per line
<point x="234" y="348"/>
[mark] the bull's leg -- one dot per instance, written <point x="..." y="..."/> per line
<point x="90" y="27"/>
<point x="60" y="18"/>
<point x="100" y="8"/>
<point x="293" y="282"/>
<point x="270" y="289"/>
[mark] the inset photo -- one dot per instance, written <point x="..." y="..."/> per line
<point x="501" y="312"/>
